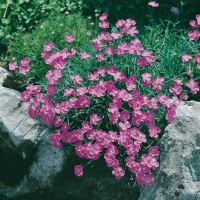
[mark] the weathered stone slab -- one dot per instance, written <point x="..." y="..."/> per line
<point x="178" y="176"/>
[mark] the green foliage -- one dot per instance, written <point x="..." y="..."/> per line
<point x="22" y="15"/>
<point x="168" y="44"/>
<point x="54" y="29"/>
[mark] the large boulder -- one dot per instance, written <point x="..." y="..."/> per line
<point x="28" y="159"/>
<point x="3" y="74"/>
<point x="178" y="176"/>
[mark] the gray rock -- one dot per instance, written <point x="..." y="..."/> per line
<point x="22" y="137"/>
<point x="178" y="176"/>
<point x="3" y="74"/>
<point x="14" y="118"/>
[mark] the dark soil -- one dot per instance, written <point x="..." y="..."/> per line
<point x="13" y="81"/>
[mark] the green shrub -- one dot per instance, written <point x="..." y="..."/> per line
<point x="113" y="99"/>
<point x="22" y="15"/>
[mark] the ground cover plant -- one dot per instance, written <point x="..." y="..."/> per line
<point x="112" y="100"/>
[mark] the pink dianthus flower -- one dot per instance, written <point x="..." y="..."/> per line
<point x="69" y="38"/>
<point x="78" y="170"/>
<point x="153" y="4"/>
<point x="48" y="46"/>
<point x="12" y="66"/>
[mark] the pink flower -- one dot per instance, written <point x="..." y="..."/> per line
<point x="149" y="161"/>
<point x="157" y="83"/>
<point x="93" y="77"/>
<point x="171" y="114"/>
<point x="118" y="172"/>
<point x="197" y="59"/>
<point x="193" y="85"/>
<point x="57" y="121"/>
<point x="69" y="38"/>
<point x="33" y="89"/>
<point x="77" y="79"/>
<point x="68" y="92"/>
<point x="186" y="57"/>
<point x="184" y="96"/>
<point x="94" y="119"/>
<point x="33" y="110"/>
<point x="110" y="51"/>
<point x="198" y="18"/>
<point x="148" y="179"/>
<point x="81" y="91"/>
<point x="45" y="54"/>
<point x="53" y="76"/>
<point x="24" y="69"/>
<point x="101" y="57"/>
<point x="123" y="48"/>
<point x="25" y="61"/>
<point x="103" y="24"/>
<point x="119" y="76"/>
<point x="54" y="137"/>
<point x="48" y="46"/>
<point x="25" y="96"/>
<point x="174" y="10"/>
<point x="97" y="46"/>
<point x="153" y="4"/>
<point x="175" y="89"/>
<point x="105" y="37"/>
<point x="120" y="23"/>
<point x="78" y="170"/>
<point x="114" y="118"/>
<point x="178" y="81"/>
<point x="85" y="56"/>
<point x="138" y="117"/>
<point x="132" y="31"/>
<point x="51" y="89"/>
<point x="164" y="100"/>
<point x="103" y="17"/>
<point x="73" y="50"/>
<point x="84" y="101"/>
<point x="12" y="66"/>
<point x="153" y="103"/>
<point x="145" y="61"/>
<point x="124" y="115"/>
<point x="154" y="151"/>
<point x="150" y="120"/>
<point x="154" y="131"/>
<point x="194" y="23"/>
<point x="101" y="71"/>
<point x="146" y="79"/>
<point x="194" y="35"/>
<point x="65" y="126"/>
<point x="115" y="35"/>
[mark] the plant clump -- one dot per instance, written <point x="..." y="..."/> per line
<point x="108" y="100"/>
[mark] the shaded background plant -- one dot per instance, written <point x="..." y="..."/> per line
<point x="138" y="10"/>
<point x="22" y="15"/>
